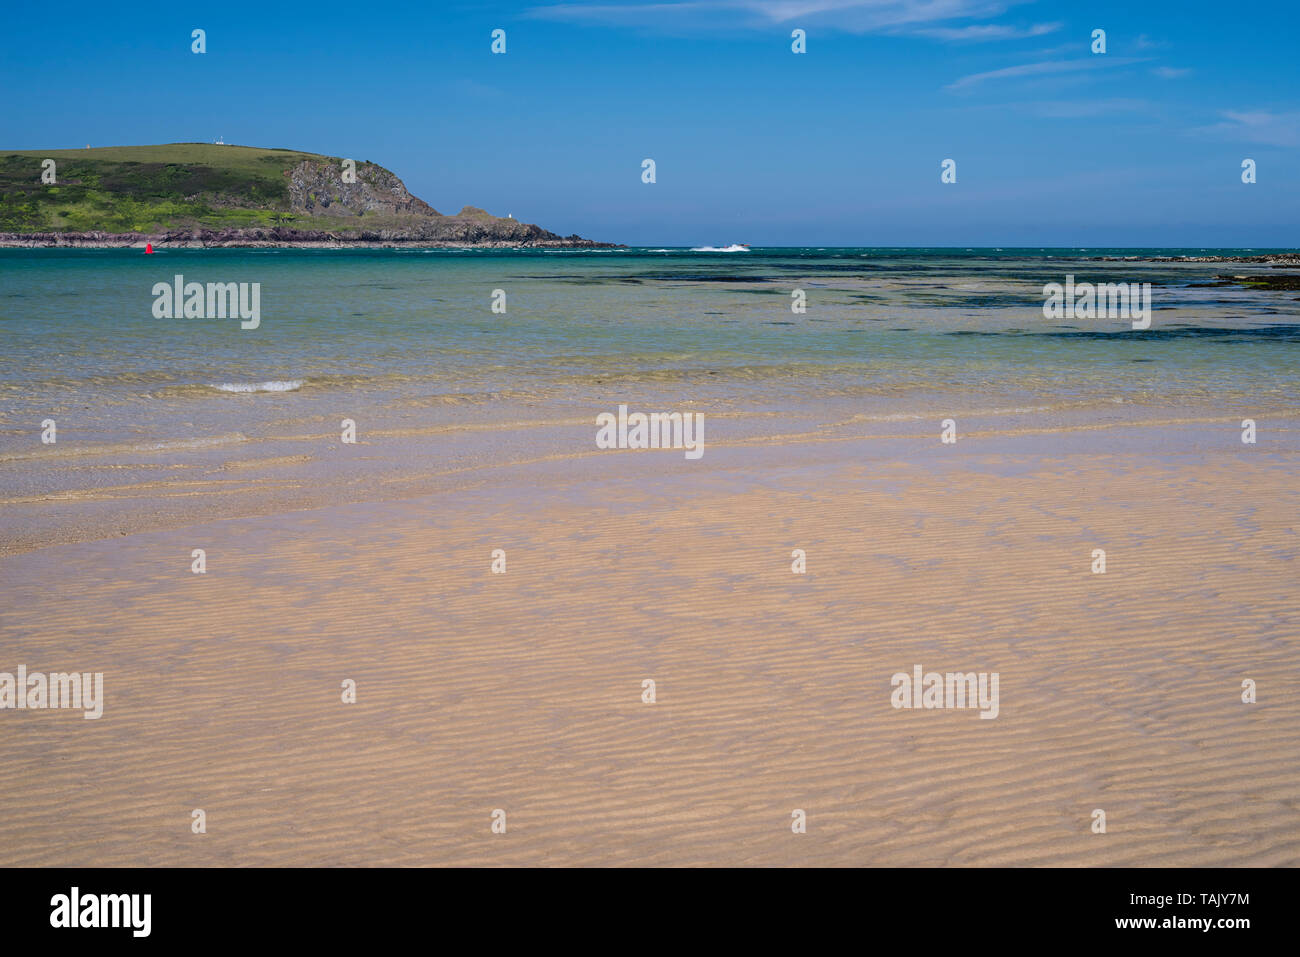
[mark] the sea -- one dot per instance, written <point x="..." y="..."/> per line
<point x="450" y="360"/>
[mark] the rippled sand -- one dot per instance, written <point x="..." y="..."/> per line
<point x="523" y="691"/>
<point x="371" y="562"/>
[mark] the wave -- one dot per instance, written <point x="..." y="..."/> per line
<point x="181" y="445"/>
<point x="274" y="385"/>
<point x="322" y="381"/>
<point x="62" y="451"/>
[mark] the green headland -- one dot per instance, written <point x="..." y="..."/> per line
<point x="203" y="193"/>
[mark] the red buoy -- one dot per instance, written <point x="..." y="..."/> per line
<point x="148" y="247"/>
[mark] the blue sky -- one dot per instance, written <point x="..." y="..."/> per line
<point x="841" y="145"/>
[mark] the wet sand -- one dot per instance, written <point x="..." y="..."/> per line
<point x="477" y="691"/>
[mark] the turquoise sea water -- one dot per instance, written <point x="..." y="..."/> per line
<point x="405" y="342"/>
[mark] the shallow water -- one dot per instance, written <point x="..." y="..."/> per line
<point x="406" y="344"/>
<point x="416" y="325"/>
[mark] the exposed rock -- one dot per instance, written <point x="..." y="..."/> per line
<point x="1287" y="281"/>
<point x="1266" y="259"/>
<point x="317" y="188"/>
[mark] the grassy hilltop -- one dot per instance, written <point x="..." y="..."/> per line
<point x="229" y="195"/>
<point x="144" y="188"/>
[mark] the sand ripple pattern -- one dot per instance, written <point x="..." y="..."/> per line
<point x="478" y="691"/>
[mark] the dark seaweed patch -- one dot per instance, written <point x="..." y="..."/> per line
<point x="1280" y="332"/>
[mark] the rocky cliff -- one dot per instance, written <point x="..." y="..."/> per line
<point x="317" y="187"/>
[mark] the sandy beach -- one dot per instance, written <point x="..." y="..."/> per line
<point x="826" y="547"/>
<point x="523" y="691"/>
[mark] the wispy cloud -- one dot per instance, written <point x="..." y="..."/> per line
<point x="1171" y="72"/>
<point x="922" y="17"/>
<point x="987" y="31"/>
<point x="1064" y="49"/>
<point x="1046" y="67"/>
<point x="1257" y="126"/>
<point x="1144" y="42"/>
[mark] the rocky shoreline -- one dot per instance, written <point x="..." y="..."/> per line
<point x="1268" y="259"/>
<point x="468" y="236"/>
<point x="295" y="239"/>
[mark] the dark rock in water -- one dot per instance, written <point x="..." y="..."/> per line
<point x="1280" y="281"/>
<point x="1264" y="259"/>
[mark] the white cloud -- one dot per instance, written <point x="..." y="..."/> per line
<point x="1039" y="69"/>
<point x="1257" y="126"/>
<point x="990" y="31"/>
<point x="853" y="16"/>
<point x="1170" y="72"/>
<point x="1144" y="42"/>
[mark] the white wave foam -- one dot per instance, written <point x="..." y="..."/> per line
<point x="183" y="444"/>
<point x="275" y="385"/>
